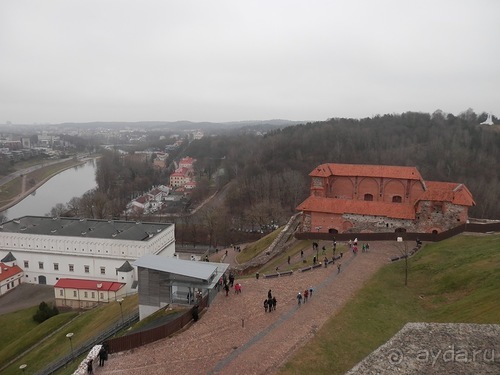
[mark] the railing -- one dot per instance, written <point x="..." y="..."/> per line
<point x="134" y="340"/>
<point x="392" y="236"/>
<point x="63" y="362"/>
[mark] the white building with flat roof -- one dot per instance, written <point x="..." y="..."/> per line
<point x="48" y="249"/>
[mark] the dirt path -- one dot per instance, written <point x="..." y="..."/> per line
<point x="236" y="336"/>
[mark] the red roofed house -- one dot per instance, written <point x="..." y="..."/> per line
<point x="378" y="198"/>
<point x="85" y="294"/>
<point x="10" y="277"/>
<point x="181" y="176"/>
<point x="184" y="173"/>
<point x="187" y="162"/>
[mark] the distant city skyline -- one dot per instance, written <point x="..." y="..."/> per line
<point x="223" y="61"/>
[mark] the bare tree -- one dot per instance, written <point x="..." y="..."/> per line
<point x="58" y="210"/>
<point x="74" y="206"/>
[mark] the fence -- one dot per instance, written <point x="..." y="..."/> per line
<point x="392" y="236"/>
<point x="137" y="339"/>
<point x="53" y="367"/>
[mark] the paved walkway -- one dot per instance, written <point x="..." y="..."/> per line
<point x="235" y="335"/>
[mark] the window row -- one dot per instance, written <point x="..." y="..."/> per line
<point x="71" y="267"/>
<point x="85" y="294"/>
<point x="395" y="198"/>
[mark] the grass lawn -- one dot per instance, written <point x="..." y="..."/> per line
<point x="457" y="280"/>
<point x="251" y="251"/>
<point x="20" y="331"/>
<point x="84" y="326"/>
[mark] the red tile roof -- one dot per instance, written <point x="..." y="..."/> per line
<point x="181" y="172"/>
<point x="448" y="192"/>
<point x="8" y="271"/>
<point x="109" y="286"/>
<point x="341" y="206"/>
<point x="187" y="160"/>
<point x="142" y="199"/>
<point x="155" y="191"/>
<point x="361" y="170"/>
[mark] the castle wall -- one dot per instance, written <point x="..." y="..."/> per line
<point x="433" y="216"/>
<point x="368" y="186"/>
<point x="439" y="216"/>
<point x="394" y="188"/>
<point x="341" y="188"/>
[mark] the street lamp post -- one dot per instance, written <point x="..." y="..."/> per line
<point x="70" y="336"/>
<point x="23" y="367"/>
<point x="404" y="251"/>
<point x="120" y="301"/>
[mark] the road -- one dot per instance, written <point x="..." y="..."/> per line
<point x="24" y="296"/>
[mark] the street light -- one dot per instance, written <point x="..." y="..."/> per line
<point x="69" y="336"/>
<point x="23" y="367"/>
<point x="120" y="301"/>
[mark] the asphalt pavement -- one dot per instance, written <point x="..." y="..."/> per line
<point x="26" y="295"/>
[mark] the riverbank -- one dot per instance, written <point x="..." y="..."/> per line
<point x="16" y="189"/>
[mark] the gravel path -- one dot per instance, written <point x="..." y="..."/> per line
<point x="236" y="336"/>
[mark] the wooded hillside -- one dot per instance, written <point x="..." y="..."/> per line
<point x="270" y="172"/>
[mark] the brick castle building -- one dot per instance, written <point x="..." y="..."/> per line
<point x="378" y="198"/>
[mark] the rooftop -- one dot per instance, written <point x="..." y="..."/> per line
<point x="7" y="272"/>
<point x="110" y="286"/>
<point x="190" y="268"/>
<point x="362" y="170"/>
<point x="92" y="228"/>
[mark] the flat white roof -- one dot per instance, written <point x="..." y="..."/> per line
<point x="191" y="268"/>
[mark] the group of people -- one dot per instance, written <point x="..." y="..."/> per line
<point x="103" y="356"/>
<point x="302" y="297"/>
<point x="270" y="302"/>
<point x="228" y="282"/>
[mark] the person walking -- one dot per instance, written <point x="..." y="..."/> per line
<point x="274" y="303"/>
<point x="195" y="313"/>
<point x="269" y="294"/>
<point x="270" y="304"/>
<point x="311" y="290"/>
<point x="226" y="288"/>
<point x="306" y="294"/>
<point x="103" y="355"/>
<point x="299" y="298"/>
<point x="338" y="267"/>
<point x="266" y="305"/>
<point x="90" y="367"/>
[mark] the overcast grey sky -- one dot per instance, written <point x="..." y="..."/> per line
<point x="124" y="60"/>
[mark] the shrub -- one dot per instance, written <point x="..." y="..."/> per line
<point x="44" y="312"/>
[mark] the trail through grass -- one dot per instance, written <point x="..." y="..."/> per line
<point x="455" y="281"/>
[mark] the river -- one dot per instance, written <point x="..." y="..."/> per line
<point x="72" y="182"/>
